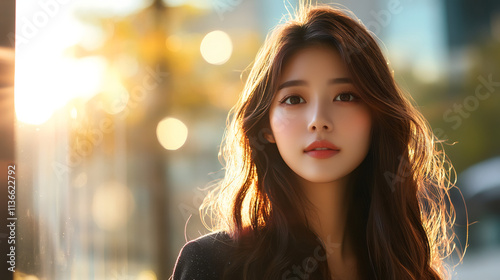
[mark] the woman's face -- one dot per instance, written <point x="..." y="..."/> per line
<point x="316" y="100"/>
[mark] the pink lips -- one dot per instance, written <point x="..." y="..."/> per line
<point x="321" y="149"/>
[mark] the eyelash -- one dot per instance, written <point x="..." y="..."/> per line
<point x="355" y="97"/>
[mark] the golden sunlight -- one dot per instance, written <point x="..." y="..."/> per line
<point x="38" y="93"/>
<point x="74" y="113"/>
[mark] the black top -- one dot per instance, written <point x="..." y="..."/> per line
<point x="203" y="258"/>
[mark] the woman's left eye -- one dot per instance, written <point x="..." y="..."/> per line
<point x="346" y="97"/>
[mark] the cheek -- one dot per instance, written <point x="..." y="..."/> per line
<point x="358" y="125"/>
<point x="283" y="121"/>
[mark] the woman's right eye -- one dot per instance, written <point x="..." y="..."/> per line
<point x="292" y="100"/>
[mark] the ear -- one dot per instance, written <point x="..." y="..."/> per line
<point x="269" y="137"/>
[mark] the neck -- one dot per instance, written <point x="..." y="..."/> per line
<point x="328" y="214"/>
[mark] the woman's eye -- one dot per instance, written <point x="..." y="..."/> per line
<point x="346" y="97"/>
<point x="292" y="100"/>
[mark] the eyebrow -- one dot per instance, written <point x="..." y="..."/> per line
<point x="293" y="83"/>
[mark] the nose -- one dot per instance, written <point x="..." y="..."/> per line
<point x="320" y="118"/>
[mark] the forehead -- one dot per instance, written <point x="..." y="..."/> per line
<point x="314" y="61"/>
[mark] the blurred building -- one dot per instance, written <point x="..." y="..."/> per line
<point x="470" y="24"/>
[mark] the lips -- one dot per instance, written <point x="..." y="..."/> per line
<point x="321" y="149"/>
<point x="321" y="145"/>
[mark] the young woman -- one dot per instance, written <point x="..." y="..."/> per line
<point x="331" y="173"/>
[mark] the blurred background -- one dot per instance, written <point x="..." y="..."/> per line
<point x="120" y="107"/>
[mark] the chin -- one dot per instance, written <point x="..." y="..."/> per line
<point x="325" y="181"/>
<point x="322" y="179"/>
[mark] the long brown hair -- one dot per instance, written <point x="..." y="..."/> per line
<point x="400" y="216"/>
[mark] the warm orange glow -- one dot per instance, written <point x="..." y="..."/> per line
<point x="22" y="276"/>
<point x="147" y="275"/>
<point x="174" y="43"/>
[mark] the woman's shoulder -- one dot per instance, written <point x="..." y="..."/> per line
<point x="204" y="257"/>
<point x="212" y="244"/>
<point x="214" y="239"/>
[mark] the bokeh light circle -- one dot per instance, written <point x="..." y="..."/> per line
<point x="112" y="205"/>
<point x="171" y="133"/>
<point x="216" y="47"/>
